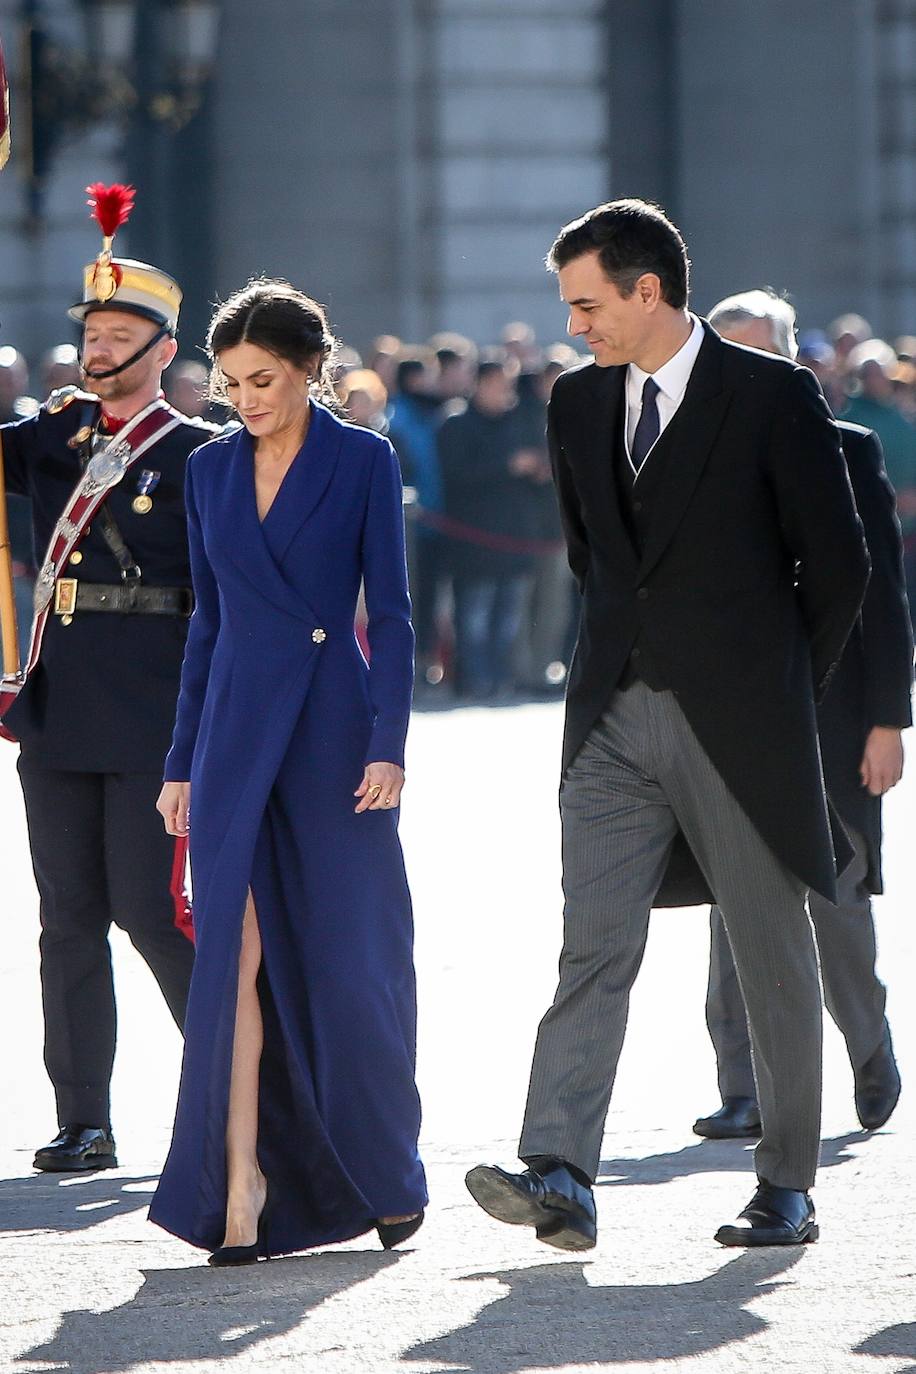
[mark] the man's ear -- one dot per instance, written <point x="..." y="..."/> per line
<point x="649" y="289"/>
<point x="169" y="350"/>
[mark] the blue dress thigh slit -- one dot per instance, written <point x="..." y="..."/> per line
<point x="278" y="715"/>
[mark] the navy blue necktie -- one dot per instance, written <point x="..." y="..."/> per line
<point x="649" y="426"/>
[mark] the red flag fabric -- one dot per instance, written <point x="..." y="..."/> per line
<point x="184" y="916"/>
<point x="4" y="112"/>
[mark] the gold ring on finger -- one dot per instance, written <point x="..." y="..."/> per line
<point x="374" y="791"/>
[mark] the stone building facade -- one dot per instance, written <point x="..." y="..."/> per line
<point x="408" y="161"/>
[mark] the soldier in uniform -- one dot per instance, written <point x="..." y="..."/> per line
<point x="95" y="714"/>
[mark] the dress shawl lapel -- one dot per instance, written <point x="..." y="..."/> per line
<point x="305" y="483"/>
<point x="257" y="548"/>
<point x="691" y="435"/>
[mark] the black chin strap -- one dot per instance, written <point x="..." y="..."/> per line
<point x="161" y="333"/>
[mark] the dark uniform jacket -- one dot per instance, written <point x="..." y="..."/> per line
<point x="102" y="696"/>
<point x="748" y="582"/>
<point x="872" y="684"/>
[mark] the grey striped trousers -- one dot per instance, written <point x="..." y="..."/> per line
<point x="854" y="994"/>
<point x="641" y="774"/>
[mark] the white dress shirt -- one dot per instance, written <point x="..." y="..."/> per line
<point x="671" y="379"/>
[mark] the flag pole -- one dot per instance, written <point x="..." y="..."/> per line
<point x="8" y="629"/>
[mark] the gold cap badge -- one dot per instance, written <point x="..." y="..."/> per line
<point x="122" y="283"/>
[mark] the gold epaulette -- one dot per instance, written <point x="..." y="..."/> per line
<point x="65" y="396"/>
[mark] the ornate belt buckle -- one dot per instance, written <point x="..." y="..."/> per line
<point x="65" y="595"/>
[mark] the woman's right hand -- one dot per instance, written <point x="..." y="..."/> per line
<point x="174" y="805"/>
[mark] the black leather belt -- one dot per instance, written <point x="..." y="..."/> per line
<point x="72" y="595"/>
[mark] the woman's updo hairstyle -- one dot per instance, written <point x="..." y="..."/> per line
<point x="283" y="321"/>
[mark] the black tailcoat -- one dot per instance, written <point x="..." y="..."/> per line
<point x="102" y="696"/>
<point x="750" y="578"/>
<point x="873" y="682"/>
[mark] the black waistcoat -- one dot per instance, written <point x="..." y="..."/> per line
<point x="638" y="497"/>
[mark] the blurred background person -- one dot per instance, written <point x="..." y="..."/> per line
<point x="903" y="377"/>
<point x="60" y="366"/>
<point x="519" y="343"/>
<point x="817" y="353"/>
<point x="364" y="398"/>
<point x="346" y="359"/>
<point x="187" y="388"/>
<point x="872" y="367"/>
<point x="414" y="415"/>
<point x="490" y="474"/>
<point x="383" y="357"/>
<point x="456" y="357"/>
<point x="541" y="651"/>
<point x="15" y="401"/>
<point x="845" y="333"/>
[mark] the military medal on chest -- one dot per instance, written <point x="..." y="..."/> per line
<point x="147" y="482"/>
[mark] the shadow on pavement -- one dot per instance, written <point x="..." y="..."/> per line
<point x="894" y="1341"/>
<point x="709" y="1157"/>
<point x="71" y="1202"/>
<point x="552" y="1317"/>
<point x="203" y="1314"/>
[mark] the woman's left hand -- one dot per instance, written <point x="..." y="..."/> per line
<point x="380" y="789"/>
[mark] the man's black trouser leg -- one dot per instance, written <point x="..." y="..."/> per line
<point x="99" y="853"/>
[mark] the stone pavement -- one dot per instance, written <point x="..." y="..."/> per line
<point x="88" y="1286"/>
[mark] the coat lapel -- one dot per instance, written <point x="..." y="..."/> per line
<point x="305" y="483"/>
<point x="688" y="439"/>
<point x="257" y="548"/>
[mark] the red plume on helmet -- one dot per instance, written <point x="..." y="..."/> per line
<point x="111" y="205"/>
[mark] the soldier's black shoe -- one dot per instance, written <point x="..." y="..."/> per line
<point x="738" y="1118"/>
<point x="774" y="1216"/>
<point x="561" y="1210"/>
<point x="78" y="1149"/>
<point x="878" y="1085"/>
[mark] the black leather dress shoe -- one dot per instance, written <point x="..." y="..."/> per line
<point x="774" y="1216"/>
<point x="738" y="1118"/>
<point x="878" y="1085"/>
<point x="561" y="1210"/>
<point x="78" y="1149"/>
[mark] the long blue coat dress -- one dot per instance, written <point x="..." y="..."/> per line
<point x="277" y="717"/>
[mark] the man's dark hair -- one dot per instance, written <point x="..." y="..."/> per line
<point x="411" y="369"/>
<point x="631" y="237"/>
<point x="450" y="348"/>
<point x="491" y="360"/>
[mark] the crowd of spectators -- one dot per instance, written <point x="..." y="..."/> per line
<point x="494" y="603"/>
<point x="872" y="382"/>
<point x="494" y="609"/>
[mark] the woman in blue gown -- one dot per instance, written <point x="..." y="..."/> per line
<point x="298" y="1114"/>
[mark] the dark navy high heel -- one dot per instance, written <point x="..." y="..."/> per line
<point x="396" y="1232"/>
<point x="228" y="1255"/>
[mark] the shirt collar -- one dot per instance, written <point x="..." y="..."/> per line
<point x="672" y="377"/>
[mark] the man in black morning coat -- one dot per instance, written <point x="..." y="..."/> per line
<point x="860" y="722"/>
<point x="95" y="717"/>
<point x="712" y="530"/>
